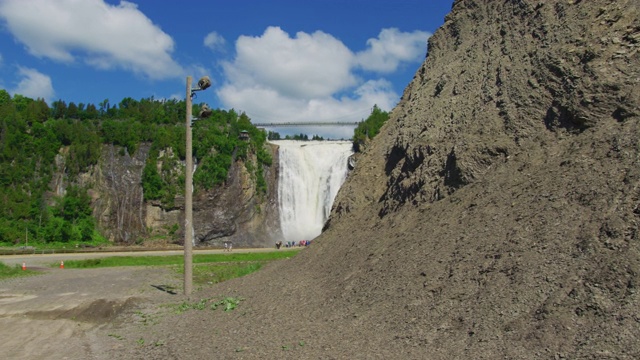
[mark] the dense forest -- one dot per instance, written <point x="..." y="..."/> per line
<point x="33" y="134"/>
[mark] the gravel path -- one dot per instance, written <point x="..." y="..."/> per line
<point x="59" y="313"/>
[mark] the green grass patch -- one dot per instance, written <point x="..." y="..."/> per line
<point x="112" y="261"/>
<point x="215" y="272"/>
<point x="7" y="271"/>
<point x="228" y="303"/>
<point x="207" y="269"/>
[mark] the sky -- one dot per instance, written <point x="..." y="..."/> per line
<point x="276" y="60"/>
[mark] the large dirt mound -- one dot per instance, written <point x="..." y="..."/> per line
<point x="495" y="216"/>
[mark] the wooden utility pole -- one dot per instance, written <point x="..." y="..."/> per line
<point x="188" y="199"/>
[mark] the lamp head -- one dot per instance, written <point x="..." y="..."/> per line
<point x="205" y="112"/>
<point x="204" y="83"/>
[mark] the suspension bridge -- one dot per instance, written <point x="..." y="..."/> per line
<point x="312" y="123"/>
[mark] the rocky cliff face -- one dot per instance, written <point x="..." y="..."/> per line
<point x="234" y="212"/>
<point x="230" y="212"/>
<point x="116" y="192"/>
<point x="496" y="215"/>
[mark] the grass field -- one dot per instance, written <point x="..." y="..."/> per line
<point x="177" y="259"/>
<point x="208" y="268"/>
<point x="10" y="272"/>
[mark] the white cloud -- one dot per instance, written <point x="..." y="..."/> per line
<point x="309" y="65"/>
<point x="314" y="77"/>
<point x="391" y="48"/>
<point x="214" y="41"/>
<point x="265" y="105"/>
<point x="102" y="35"/>
<point x="34" y="84"/>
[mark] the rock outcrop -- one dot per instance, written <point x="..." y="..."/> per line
<point x="232" y="211"/>
<point x="115" y="187"/>
<point x="235" y="212"/>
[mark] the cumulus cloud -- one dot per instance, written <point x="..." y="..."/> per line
<point x="314" y="77"/>
<point x="102" y="35"/>
<point x="309" y="65"/>
<point x="214" y="41"/>
<point x="34" y="84"/>
<point x="391" y="48"/>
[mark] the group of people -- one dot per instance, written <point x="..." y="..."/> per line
<point x="228" y="245"/>
<point x="290" y="244"/>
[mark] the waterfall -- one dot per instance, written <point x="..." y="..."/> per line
<point x="311" y="173"/>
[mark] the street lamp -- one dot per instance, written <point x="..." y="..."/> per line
<point x="203" y="84"/>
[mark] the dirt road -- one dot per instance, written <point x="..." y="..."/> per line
<point x="60" y="312"/>
<point x="56" y="314"/>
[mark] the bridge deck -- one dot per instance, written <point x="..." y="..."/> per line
<point x="314" y="123"/>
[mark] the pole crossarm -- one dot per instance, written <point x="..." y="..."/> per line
<point x="313" y="123"/>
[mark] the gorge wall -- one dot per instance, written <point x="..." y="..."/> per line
<point x="233" y="211"/>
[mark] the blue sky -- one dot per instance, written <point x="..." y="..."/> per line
<point x="276" y="60"/>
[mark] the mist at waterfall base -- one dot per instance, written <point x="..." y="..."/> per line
<point x="311" y="173"/>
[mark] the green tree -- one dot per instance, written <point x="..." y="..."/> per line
<point x="5" y="98"/>
<point x="369" y="128"/>
<point x="72" y="111"/>
<point x="59" y="109"/>
<point x="104" y="106"/>
<point x="271" y="135"/>
<point x="152" y="183"/>
<point x="91" y="112"/>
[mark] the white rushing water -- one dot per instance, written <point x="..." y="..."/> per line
<point x="311" y="173"/>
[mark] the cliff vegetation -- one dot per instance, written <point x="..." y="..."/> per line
<point x="52" y="157"/>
